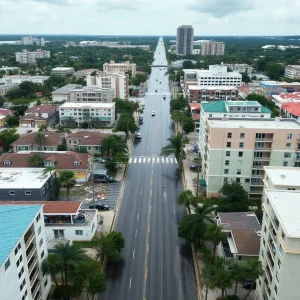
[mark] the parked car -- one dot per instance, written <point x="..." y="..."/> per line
<point x="155" y="91"/>
<point x="249" y="284"/>
<point x="99" y="160"/>
<point x="28" y="131"/>
<point x="139" y="136"/>
<point x="153" y="113"/>
<point x="195" y="167"/>
<point x="99" y="206"/>
<point x="101" y="176"/>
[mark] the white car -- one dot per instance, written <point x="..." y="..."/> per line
<point x="153" y="113"/>
<point x="164" y="96"/>
<point x="139" y="135"/>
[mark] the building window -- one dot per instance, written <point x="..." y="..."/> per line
<point x="228" y="144"/>
<point x="280" y="249"/>
<point x="282" y="235"/>
<point x="227" y="153"/>
<point x="41" y="242"/>
<point x="38" y="217"/>
<point x="226" y="171"/>
<point x="7" y="264"/>
<point x="225" y="179"/>
<point x="242" y="135"/>
<point x="289" y="136"/>
<point x="275" y="289"/>
<point x="229" y="135"/>
<point x="241" y="144"/>
<point x="42" y="254"/>
<point x="19" y="261"/>
<point x="285" y="163"/>
<point x="27" y="193"/>
<point x="17" y="249"/>
<point x="247" y="180"/>
<point x="76" y="163"/>
<point x="288" y="145"/>
<point x="25" y="295"/>
<point x="21" y="272"/>
<point x="210" y="115"/>
<point x="46" y="282"/>
<point x="12" y="193"/>
<point x="287" y="154"/>
<point x="43" y="190"/>
<point x="277" y="276"/>
<point x="279" y="263"/>
<point x="238" y="180"/>
<point x="79" y="232"/>
<point x="22" y="285"/>
<point x="240" y="154"/>
<point x="226" y="162"/>
<point x="239" y="171"/>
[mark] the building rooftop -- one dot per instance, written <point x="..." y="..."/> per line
<point x="286" y="176"/>
<point x="26" y="77"/>
<point x="254" y="123"/>
<point x="62" y="69"/>
<point x="92" y="89"/>
<point x="292" y="107"/>
<point x="296" y="67"/>
<point x="44" y="108"/>
<point x="286" y="205"/>
<point x="195" y="106"/>
<point x="66" y="89"/>
<point x="87" y="138"/>
<point x="245" y="230"/>
<point x="87" y="105"/>
<point x="211" y="88"/>
<point x="15" y="219"/>
<point x="220" y="106"/>
<point x="288" y="96"/>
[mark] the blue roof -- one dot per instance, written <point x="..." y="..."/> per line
<point x="15" y="219"/>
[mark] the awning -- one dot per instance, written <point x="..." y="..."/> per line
<point x="202" y="182"/>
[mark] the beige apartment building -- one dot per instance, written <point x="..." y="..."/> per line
<point x="113" y="67"/>
<point x="238" y="149"/>
<point x="280" y="235"/>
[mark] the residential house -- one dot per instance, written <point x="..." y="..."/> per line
<point x="38" y="115"/>
<point x="291" y="110"/>
<point x="243" y="231"/>
<point x="85" y="140"/>
<point x="79" y="163"/>
<point x="4" y="115"/>
<point x="30" y="142"/>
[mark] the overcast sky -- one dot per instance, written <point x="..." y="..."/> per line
<point x="150" y="17"/>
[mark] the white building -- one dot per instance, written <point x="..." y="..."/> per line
<point x="86" y="112"/>
<point x="7" y="69"/>
<point x="280" y="99"/>
<point x="113" y="67"/>
<point x="26" y="57"/>
<point x="280" y="238"/>
<point x="210" y="47"/>
<point x="117" y="81"/>
<point x="184" y="40"/>
<point x="292" y="71"/>
<point x="26" y="40"/>
<point x="92" y="94"/>
<point x="23" y="248"/>
<point x="18" y="79"/>
<point x="62" y="71"/>
<point x="63" y="93"/>
<point x="237" y="149"/>
<point x="240" y="68"/>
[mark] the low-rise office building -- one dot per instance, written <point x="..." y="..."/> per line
<point x="18" y="79"/>
<point x="23" y="248"/>
<point x="92" y="94"/>
<point x="62" y="71"/>
<point x="63" y="93"/>
<point x="27" y="57"/>
<point x="95" y="114"/>
<point x="280" y="238"/>
<point x="5" y="88"/>
<point x="238" y="149"/>
<point x="292" y="71"/>
<point x="18" y="183"/>
<point x="113" y="67"/>
<point x="241" y="68"/>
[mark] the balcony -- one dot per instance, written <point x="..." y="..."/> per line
<point x="270" y="260"/>
<point x="32" y="264"/>
<point x="264" y="137"/>
<point x="272" y="248"/>
<point x="258" y="182"/>
<point x="36" y="289"/>
<point x="260" y="175"/>
<point x="297" y="158"/>
<point x="34" y="276"/>
<point x="262" y="158"/>
<point x="30" y="251"/>
<point x="29" y="236"/>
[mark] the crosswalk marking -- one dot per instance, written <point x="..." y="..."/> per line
<point x="163" y="160"/>
<point x="130" y="160"/>
<point x="134" y="161"/>
<point x="149" y="159"/>
<point x="144" y="159"/>
<point x="167" y="160"/>
<point x="140" y="160"/>
<point x="157" y="160"/>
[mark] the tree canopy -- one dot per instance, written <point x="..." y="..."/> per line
<point x="126" y="123"/>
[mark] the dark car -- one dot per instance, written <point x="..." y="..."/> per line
<point x="99" y="206"/>
<point x="249" y="284"/>
<point x="141" y="118"/>
<point x="195" y="167"/>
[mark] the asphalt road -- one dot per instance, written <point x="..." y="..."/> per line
<point x="155" y="263"/>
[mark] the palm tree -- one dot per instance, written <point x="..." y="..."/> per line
<point x="192" y="227"/>
<point x="40" y="138"/>
<point x="215" y="235"/>
<point x="68" y="256"/>
<point x="35" y="160"/>
<point x="51" y="170"/>
<point x="237" y="272"/>
<point x="43" y="127"/>
<point x="174" y="148"/>
<point x="112" y="145"/>
<point x="186" y="198"/>
<point x="67" y="180"/>
<point x="52" y="267"/>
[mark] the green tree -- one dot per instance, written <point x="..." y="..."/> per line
<point x="20" y="109"/>
<point x="62" y="147"/>
<point x="12" y="121"/>
<point x="7" y="137"/>
<point x="188" y="64"/>
<point x="237" y="273"/>
<point x="38" y="102"/>
<point x="234" y="191"/>
<point x="35" y="160"/>
<point x="188" y="125"/>
<point x="215" y="235"/>
<point x="125" y="106"/>
<point x="246" y="78"/>
<point x="43" y="127"/>
<point x="109" y="245"/>
<point x="138" y="79"/>
<point x="179" y="103"/>
<point x="40" y="138"/>
<point x="126" y="124"/>
<point x="175" y="147"/>
<point x="113" y="144"/>
<point x="186" y="198"/>
<point x="67" y="180"/>
<point x="275" y="70"/>
<point x="51" y="266"/>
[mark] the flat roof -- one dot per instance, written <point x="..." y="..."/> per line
<point x="15" y="219"/>
<point x="87" y="105"/>
<point x="26" y="178"/>
<point x="92" y="89"/>
<point x="286" y="205"/>
<point x="66" y="89"/>
<point x="254" y="123"/>
<point x="62" y="69"/>
<point x="283" y="176"/>
<point x="204" y="87"/>
<point x="220" y="106"/>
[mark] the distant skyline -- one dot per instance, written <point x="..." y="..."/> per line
<point x="150" y="17"/>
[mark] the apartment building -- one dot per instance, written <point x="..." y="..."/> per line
<point x="26" y="57"/>
<point x="63" y="93"/>
<point x="212" y="48"/>
<point x="291" y="110"/>
<point x="18" y="79"/>
<point x="198" y="94"/>
<point x="184" y="40"/>
<point x="92" y="94"/>
<point x="117" y="81"/>
<point x="5" y="88"/>
<point x="238" y="149"/>
<point x="23" y="248"/>
<point x="240" y="68"/>
<point x="62" y="71"/>
<point x="91" y="113"/>
<point x="280" y="237"/>
<point x="292" y="71"/>
<point x="29" y="40"/>
<point x="113" y="67"/>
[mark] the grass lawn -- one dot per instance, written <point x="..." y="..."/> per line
<point x="84" y="244"/>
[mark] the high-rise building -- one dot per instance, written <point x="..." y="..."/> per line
<point x="113" y="67"/>
<point x="292" y="71"/>
<point x="184" y="40"/>
<point x="280" y="237"/>
<point x="212" y="48"/>
<point x="27" y="40"/>
<point x="26" y="57"/>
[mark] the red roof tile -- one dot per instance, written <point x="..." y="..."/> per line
<point x="87" y="138"/>
<point x="52" y="139"/>
<point x="44" y="108"/>
<point x="295" y="96"/>
<point x="292" y="107"/>
<point x="195" y="106"/>
<point x="6" y="112"/>
<point x="196" y="117"/>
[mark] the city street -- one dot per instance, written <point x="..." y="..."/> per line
<point x="155" y="263"/>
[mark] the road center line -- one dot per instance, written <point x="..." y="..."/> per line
<point x="133" y="254"/>
<point x="138" y="216"/>
<point x="141" y="192"/>
<point x="130" y="283"/>
<point x="135" y="233"/>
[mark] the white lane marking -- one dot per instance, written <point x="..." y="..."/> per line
<point x="149" y="159"/>
<point x="133" y="254"/>
<point x="140" y="160"/>
<point x="141" y="192"/>
<point x="130" y="283"/>
<point x="134" y="160"/>
<point x="135" y="233"/>
<point x="130" y="160"/>
<point x="144" y="159"/>
<point x="176" y="162"/>
<point x="138" y="216"/>
<point x="163" y="160"/>
<point x="167" y="160"/>
<point x="171" y="160"/>
<point x="157" y="160"/>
